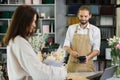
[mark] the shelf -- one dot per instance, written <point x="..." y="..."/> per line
<point x="2" y="34"/>
<point x="46" y="7"/>
<point x="88" y="2"/>
<point x="2" y="47"/>
<point x="33" y="5"/>
<point x="5" y="19"/>
<point x="95" y="9"/>
<point x="106" y="26"/>
<point x="71" y="15"/>
<point x="47" y="19"/>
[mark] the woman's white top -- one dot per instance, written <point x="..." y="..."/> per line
<point x="22" y="61"/>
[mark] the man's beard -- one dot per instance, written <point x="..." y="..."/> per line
<point x="83" y="22"/>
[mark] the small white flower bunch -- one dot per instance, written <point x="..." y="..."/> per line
<point x="55" y="58"/>
<point x="37" y="41"/>
<point x="114" y="41"/>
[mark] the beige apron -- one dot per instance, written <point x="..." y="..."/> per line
<point x="81" y="44"/>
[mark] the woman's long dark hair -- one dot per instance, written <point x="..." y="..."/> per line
<point x="20" y="23"/>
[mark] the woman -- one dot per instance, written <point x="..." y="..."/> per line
<point x="22" y="61"/>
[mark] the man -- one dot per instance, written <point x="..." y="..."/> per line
<point x="82" y="39"/>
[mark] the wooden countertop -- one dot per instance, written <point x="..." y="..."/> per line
<point x="76" y="77"/>
<point x="83" y="75"/>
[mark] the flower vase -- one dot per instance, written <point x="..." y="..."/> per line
<point x="114" y="44"/>
<point x="115" y="55"/>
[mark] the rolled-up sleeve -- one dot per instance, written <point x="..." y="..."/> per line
<point x="69" y="35"/>
<point x="96" y="39"/>
<point x="67" y="39"/>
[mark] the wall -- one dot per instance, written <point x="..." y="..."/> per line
<point x="60" y="21"/>
<point x="118" y="20"/>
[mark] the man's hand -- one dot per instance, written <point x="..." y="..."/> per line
<point x="71" y="52"/>
<point x="87" y="59"/>
<point x="74" y="54"/>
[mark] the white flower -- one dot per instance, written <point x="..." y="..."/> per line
<point x="37" y="41"/>
<point x="114" y="40"/>
<point x="55" y="58"/>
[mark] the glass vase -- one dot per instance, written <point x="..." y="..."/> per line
<point x="115" y="55"/>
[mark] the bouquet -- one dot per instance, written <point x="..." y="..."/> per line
<point x="55" y="58"/>
<point x="114" y="44"/>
